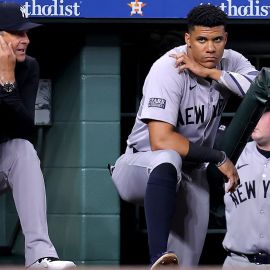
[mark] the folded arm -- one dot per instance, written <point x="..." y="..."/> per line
<point x="163" y="136"/>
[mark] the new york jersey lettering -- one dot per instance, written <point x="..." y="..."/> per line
<point x="196" y="114"/>
<point x="249" y="191"/>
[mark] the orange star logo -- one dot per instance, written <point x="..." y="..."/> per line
<point x="136" y="6"/>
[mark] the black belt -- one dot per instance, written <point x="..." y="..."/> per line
<point x="259" y="258"/>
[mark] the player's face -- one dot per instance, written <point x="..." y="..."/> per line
<point x="19" y="42"/>
<point x="261" y="133"/>
<point x="206" y="44"/>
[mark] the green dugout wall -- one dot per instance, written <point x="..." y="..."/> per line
<point x="83" y="206"/>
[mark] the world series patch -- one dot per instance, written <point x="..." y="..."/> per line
<point x="157" y="102"/>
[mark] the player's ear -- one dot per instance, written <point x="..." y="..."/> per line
<point x="187" y="39"/>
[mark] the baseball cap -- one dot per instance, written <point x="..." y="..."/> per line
<point x="14" y="17"/>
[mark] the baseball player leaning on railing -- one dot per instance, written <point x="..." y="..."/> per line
<point x="164" y="165"/>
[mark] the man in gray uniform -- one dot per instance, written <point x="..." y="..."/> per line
<point x="19" y="163"/>
<point x="247" y="239"/>
<point x="164" y="166"/>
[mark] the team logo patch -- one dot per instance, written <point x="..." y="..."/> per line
<point x="157" y="102"/>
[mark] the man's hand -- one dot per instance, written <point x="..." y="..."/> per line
<point x="231" y="174"/>
<point x="8" y="62"/>
<point x="183" y="61"/>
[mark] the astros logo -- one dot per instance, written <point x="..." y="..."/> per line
<point x="136" y="7"/>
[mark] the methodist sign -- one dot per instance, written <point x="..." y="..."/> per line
<point x="140" y="9"/>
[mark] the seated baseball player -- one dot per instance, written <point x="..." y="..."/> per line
<point x="164" y="165"/>
<point x="19" y="163"/>
<point x="247" y="239"/>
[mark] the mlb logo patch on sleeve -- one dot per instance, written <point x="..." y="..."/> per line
<point x="157" y="102"/>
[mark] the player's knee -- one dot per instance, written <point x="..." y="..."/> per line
<point x="24" y="149"/>
<point x="168" y="156"/>
<point x="120" y="187"/>
<point x="127" y="194"/>
<point x="126" y="190"/>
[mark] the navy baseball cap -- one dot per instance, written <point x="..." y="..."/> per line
<point x="14" y="17"/>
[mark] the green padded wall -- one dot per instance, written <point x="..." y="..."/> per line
<point x="83" y="205"/>
<point x="8" y="219"/>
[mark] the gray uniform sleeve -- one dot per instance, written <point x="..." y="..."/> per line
<point x="237" y="72"/>
<point x="162" y="92"/>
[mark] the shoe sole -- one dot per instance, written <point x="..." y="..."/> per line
<point x="168" y="259"/>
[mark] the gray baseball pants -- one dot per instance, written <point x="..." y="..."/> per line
<point x="20" y="167"/>
<point x="190" y="221"/>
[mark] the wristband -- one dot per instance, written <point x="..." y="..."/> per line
<point x="198" y="153"/>
<point x="223" y="161"/>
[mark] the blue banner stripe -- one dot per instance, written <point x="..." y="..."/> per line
<point x="141" y="9"/>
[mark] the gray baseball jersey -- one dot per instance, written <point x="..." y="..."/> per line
<point x="192" y="104"/>
<point x="247" y="209"/>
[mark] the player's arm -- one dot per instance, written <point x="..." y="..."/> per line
<point x="163" y="136"/>
<point x="236" y="82"/>
<point x="238" y="72"/>
<point x="237" y="78"/>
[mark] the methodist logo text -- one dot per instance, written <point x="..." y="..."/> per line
<point x="55" y="8"/>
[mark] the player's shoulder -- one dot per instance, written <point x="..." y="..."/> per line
<point x="231" y="56"/>
<point x="248" y="151"/>
<point x="250" y="146"/>
<point x="231" y="59"/>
